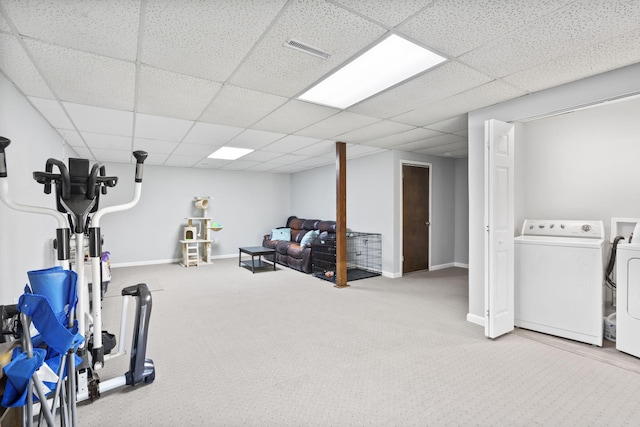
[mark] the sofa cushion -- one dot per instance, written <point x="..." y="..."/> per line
<point x="296" y="224"/>
<point x="295" y="251"/>
<point x="282" y="246"/>
<point x="309" y="237"/>
<point x="281" y="234"/>
<point x="310" y="224"/>
<point x="328" y="226"/>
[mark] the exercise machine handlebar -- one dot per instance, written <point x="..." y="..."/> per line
<point x="140" y="158"/>
<point x="4" y="190"/>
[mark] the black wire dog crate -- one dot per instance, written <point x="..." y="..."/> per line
<point x="364" y="257"/>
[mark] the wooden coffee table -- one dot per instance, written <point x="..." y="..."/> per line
<point x="259" y="263"/>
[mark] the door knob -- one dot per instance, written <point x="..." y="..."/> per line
<point x="427" y="223"/>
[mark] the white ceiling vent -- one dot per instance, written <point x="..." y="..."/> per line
<point x="294" y="44"/>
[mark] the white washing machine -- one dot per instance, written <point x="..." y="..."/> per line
<point x="559" y="274"/>
<point x="628" y="298"/>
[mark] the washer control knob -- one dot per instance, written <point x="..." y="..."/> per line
<point x="551" y="225"/>
<point x="586" y="228"/>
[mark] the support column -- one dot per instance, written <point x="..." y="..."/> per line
<point x="341" y="215"/>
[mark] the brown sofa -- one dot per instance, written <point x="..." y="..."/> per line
<point x="296" y="252"/>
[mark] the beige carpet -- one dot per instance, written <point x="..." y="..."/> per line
<point x="282" y="348"/>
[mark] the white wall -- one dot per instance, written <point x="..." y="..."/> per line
<point x="620" y="82"/>
<point x="25" y="239"/>
<point x="461" y="212"/>
<point x="601" y="178"/>
<point x="247" y="205"/>
<point x="374" y="203"/>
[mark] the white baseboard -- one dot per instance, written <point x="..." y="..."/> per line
<point x="391" y="275"/>
<point x="474" y="318"/>
<point x="441" y="266"/>
<point x="165" y="261"/>
<point x="461" y="265"/>
<point x="141" y="263"/>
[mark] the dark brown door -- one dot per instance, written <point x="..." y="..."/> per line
<point x="415" y="218"/>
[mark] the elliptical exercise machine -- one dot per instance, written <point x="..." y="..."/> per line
<point x="78" y="189"/>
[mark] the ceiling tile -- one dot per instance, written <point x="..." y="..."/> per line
<point x="234" y="29"/>
<point x="181" y="161"/>
<point x="212" y="163"/>
<point x="574" y="27"/>
<point x="288" y="159"/>
<point x="166" y="93"/>
<point x="479" y="97"/>
<point x="375" y="131"/>
<point x="156" y="159"/>
<point x="319" y="149"/>
<point x="451" y="125"/>
<point x="276" y="69"/>
<point x="236" y="106"/>
<point x="254" y="139"/>
<point x="71" y="137"/>
<point x="106" y="28"/>
<point x="458" y="154"/>
<point x="446" y="80"/>
<point x="314" y="162"/>
<point x="263" y="167"/>
<point x="390" y="13"/>
<point x="293" y="116"/>
<point x="292" y="168"/>
<point x="95" y="80"/>
<point x="443" y="149"/>
<point x="112" y="155"/>
<point x="598" y="58"/>
<point x="111" y="142"/>
<point x="100" y="120"/>
<point x="473" y="22"/>
<point x="344" y="121"/>
<point x="52" y="111"/>
<point x="402" y="138"/>
<point x="210" y="134"/>
<point x="154" y="146"/>
<point x="290" y="143"/>
<point x="360" y="150"/>
<point x="193" y="150"/>
<point x="238" y="165"/>
<point x="261" y="156"/>
<point x="15" y="63"/>
<point x="161" y="128"/>
<point x="4" y="26"/>
<point x="431" y="142"/>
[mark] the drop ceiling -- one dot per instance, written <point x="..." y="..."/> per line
<point x="180" y="79"/>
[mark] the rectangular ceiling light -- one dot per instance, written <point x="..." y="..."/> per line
<point x="391" y="61"/>
<point x="229" y="153"/>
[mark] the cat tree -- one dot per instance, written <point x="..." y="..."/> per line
<point x="198" y="233"/>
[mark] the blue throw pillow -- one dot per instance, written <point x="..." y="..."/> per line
<point x="309" y="237"/>
<point x="281" y="234"/>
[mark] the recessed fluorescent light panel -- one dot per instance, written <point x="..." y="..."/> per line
<point x="229" y="153"/>
<point x="391" y="61"/>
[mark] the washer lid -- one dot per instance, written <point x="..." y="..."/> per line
<point x="583" y="229"/>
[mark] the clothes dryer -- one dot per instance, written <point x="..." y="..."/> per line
<point x="628" y="298"/>
<point x="559" y="273"/>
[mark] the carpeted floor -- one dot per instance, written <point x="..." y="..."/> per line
<point x="282" y="348"/>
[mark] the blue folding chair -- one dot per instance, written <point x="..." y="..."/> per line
<point x="49" y="303"/>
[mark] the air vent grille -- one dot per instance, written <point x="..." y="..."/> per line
<point x="294" y="44"/>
